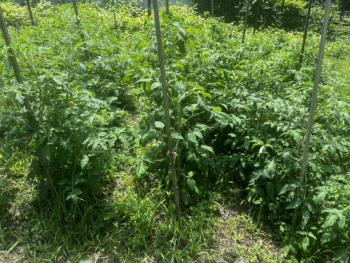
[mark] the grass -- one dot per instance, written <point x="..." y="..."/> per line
<point x="130" y="223"/>
<point x="342" y="67"/>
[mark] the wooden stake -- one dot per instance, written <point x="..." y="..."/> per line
<point x="82" y="34"/>
<point x="282" y="8"/>
<point x="166" y="109"/>
<point x="257" y="16"/>
<point x="30" y="112"/>
<point x="115" y="21"/>
<point x="30" y="12"/>
<point x="245" y="20"/>
<point x="149" y="11"/>
<point x="167" y="6"/>
<point x="313" y="102"/>
<point x="305" y="33"/>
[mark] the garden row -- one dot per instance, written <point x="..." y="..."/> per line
<point x="238" y="113"/>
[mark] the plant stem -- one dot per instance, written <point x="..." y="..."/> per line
<point x="245" y="20"/>
<point x="305" y="34"/>
<point x="166" y="109"/>
<point x="313" y="103"/>
<point x="30" y="112"/>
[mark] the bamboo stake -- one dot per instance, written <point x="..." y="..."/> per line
<point x="82" y="34"/>
<point x="282" y="6"/>
<point x="115" y="20"/>
<point x="166" y="108"/>
<point x="257" y="16"/>
<point x="149" y="8"/>
<point x="305" y="33"/>
<point x="313" y="101"/>
<point x="167" y="6"/>
<point x="281" y="16"/>
<point x="30" y="12"/>
<point x="245" y="20"/>
<point x="30" y="112"/>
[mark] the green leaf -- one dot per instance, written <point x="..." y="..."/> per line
<point x="8" y="151"/>
<point x="271" y="168"/>
<point x="211" y="163"/>
<point x="147" y="88"/>
<point x="253" y="193"/>
<point x="305" y="243"/>
<point x="330" y="220"/>
<point x="297" y="137"/>
<point x="140" y="169"/>
<point x="191" y="183"/>
<point x="288" y="187"/>
<point x="176" y="136"/>
<point x="86" y="260"/>
<point x="207" y="148"/>
<point x="270" y="190"/>
<point x="341" y="222"/>
<point x="148" y="136"/>
<point x="306" y="216"/>
<point x="310" y="205"/>
<point x="74" y="194"/>
<point x="327" y="237"/>
<point x="8" y="64"/>
<point x="155" y="85"/>
<point x="124" y="138"/>
<point x="57" y="81"/>
<point x="3" y="198"/>
<point x="84" y="161"/>
<point x="148" y="157"/>
<point x="198" y="134"/>
<point x="185" y="197"/>
<point x="216" y="108"/>
<point x="159" y="124"/>
<point x="294" y="203"/>
<point x="182" y="32"/>
<point x="171" y="206"/>
<point x="341" y="256"/>
<point x="20" y="98"/>
<point x="143" y="80"/>
<point x="321" y="196"/>
<point x="310" y="234"/>
<point x="287" y="158"/>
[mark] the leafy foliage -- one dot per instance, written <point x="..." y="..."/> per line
<point x="238" y="113"/>
<point x="269" y="12"/>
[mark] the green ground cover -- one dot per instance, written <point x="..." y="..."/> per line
<point x="239" y="114"/>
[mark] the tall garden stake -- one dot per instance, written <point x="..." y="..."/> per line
<point x="313" y="101"/>
<point x="149" y="8"/>
<point x="166" y="109"/>
<point x="30" y="12"/>
<point x="257" y="16"/>
<point x="245" y="20"/>
<point x="115" y="20"/>
<point x="212" y="8"/>
<point x="167" y="6"/>
<point x="82" y="34"/>
<point x="30" y="112"/>
<point x="305" y="33"/>
<point x="282" y="14"/>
